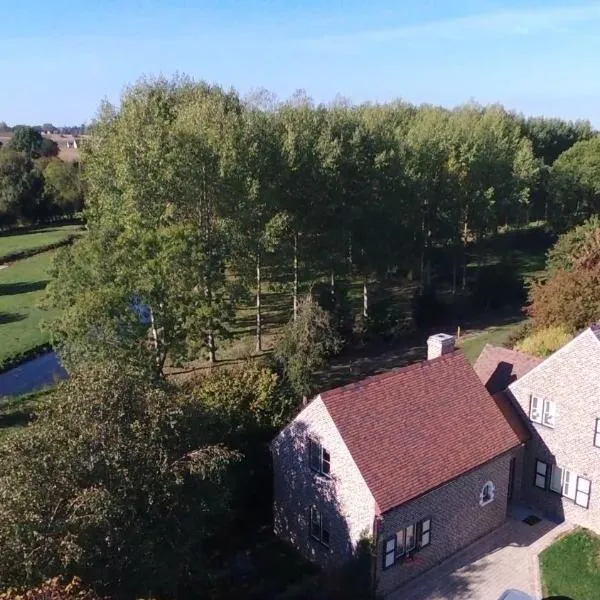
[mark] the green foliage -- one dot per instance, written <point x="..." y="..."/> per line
<point x="62" y="183"/>
<point x="567" y="295"/>
<point x="575" y="184"/>
<point x="116" y="482"/>
<point x="544" y="342"/>
<point x="578" y="247"/>
<point x="48" y="148"/>
<point x="304" y="346"/>
<point x="27" y="140"/>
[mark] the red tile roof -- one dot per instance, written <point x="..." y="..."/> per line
<point x="413" y="429"/>
<point x="498" y="367"/>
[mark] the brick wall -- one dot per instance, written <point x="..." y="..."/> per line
<point x="570" y="377"/>
<point x="457" y="518"/>
<point x="344" y="497"/>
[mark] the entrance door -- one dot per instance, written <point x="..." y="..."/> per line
<point x="511" y="478"/>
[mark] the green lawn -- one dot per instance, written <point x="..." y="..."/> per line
<point x="570" y="568"/>
<point x="21" y="287"/>
<point x="473" y="343"/>
<point x="12" y="242"/>
<point x="17" y="411"/>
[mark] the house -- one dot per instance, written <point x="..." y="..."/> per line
<point x="421" y="459"/>
<point x="560" y="400"/>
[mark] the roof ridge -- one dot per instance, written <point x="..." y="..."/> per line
<point x="520" y="352"/>
<point x="377" y="377"/>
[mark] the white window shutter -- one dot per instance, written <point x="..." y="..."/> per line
<point x="549" y="413"/>
<point x="535" y="410"/>
<point x="569" y="485"/>
<point x="556" y="479"/>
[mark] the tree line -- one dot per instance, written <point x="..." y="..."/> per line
<point x="35" y="185"/>
<point x="196" y="196"/>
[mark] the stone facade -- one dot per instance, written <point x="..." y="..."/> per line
<point x="457" y="518"/>
<point x="570" y="379"/>
<point x="343" y="497"/>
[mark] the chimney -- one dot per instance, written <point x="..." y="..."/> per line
<point x="439" y="344"/>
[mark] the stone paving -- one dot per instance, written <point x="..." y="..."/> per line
<point x="506" y="558"/>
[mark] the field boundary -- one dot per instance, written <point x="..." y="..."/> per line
<point x="21" y="254"/>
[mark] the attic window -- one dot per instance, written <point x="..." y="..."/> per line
<point x="542" y="411"/>
<point x="319" y="458"/>
<point x="488" y="493"/>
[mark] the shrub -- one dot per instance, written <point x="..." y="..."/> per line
<point x="570" y="299"/>
<point x="545" y="341"/>
<point x="305" y="344"/>
<point x="519" y="333"/>
<point x="52" y="589"/>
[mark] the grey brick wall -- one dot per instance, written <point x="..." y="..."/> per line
<point x="570" y="377"/>
<point x="457" y="518"/>
<point x="344" y="497"/>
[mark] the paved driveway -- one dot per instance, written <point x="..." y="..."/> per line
<point x="506" y="558"/>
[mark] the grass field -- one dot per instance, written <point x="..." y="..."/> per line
<point x="570" y="568"/>
<point x="21" y="287"/>
<point x="12" y="242"/>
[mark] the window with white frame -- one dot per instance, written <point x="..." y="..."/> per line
<point x="488" y="493"/>
<point x="319" y="458"/>
<point x="541" y="471"/>
<point x="582" y="495"/>
<point x="597" y="434"/>
<point x="406" y="540"/>
<point x="568" y="484"/>
<point x="319" y="527"/>
<point x="542" y="411"/>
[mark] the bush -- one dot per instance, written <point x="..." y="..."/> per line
<point x="52" y="589"/>
<point x="337" y="305"/>
<point x="304" y="346"/>
<point x="544" y="342"/>
<point x="570" y="299"/>
<point x="519" y="333"/>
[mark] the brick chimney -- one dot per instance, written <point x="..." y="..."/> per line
<point x="439" y="344"/>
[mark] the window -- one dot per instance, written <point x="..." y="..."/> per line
<point x="541" y="469"/>
<point x="319" y="527"/>
<point x="488" y="492"/>
<point x="542" y="411"/>
<point x="597" y="434"/>
<point x="535" y="409"/>
<point x="406" y="540"/>
<point x="564" y="482"/>
<point x="425" y="533"/>
<point x="319" y="458"/>
<point x="389" y="551"/>
<point x="582" y="495"/>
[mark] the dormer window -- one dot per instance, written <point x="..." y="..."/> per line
<point x="319" y="459"/>
<point x="542" y="411"/>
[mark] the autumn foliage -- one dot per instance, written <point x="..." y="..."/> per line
<point x="52" y="589"/>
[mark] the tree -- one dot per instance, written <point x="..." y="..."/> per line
<point x="305" y="344"/>
<point x="117" y="483"/>
<point x="20" y="188"/>
<point x="27" y="140"/>
<point x="48" y="147"/>
<point x="578" y="247"/>
<point x="63" y="184"/>
<point x="575" y="184"/>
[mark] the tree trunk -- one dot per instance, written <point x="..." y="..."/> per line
<point x="332" y="289"/>
<point x="365" y="300"/>
<point x="258" y="315"/>
<point x="454" y="271"/>
<point x="154" y="336"/>
<point x="211" y="347"/>
<point x="295" y="276"/>
<point x="464" y="277"/>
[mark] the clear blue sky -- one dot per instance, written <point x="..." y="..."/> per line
<point x="60" y="58"/>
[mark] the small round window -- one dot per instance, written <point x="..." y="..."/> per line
<point x="488" y="492"/>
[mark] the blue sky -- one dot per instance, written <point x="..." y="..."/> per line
<point x="59" y="59"/>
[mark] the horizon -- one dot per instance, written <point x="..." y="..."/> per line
<point x="533" y="57"/>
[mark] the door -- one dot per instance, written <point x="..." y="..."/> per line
<point x="511" y="478"/>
